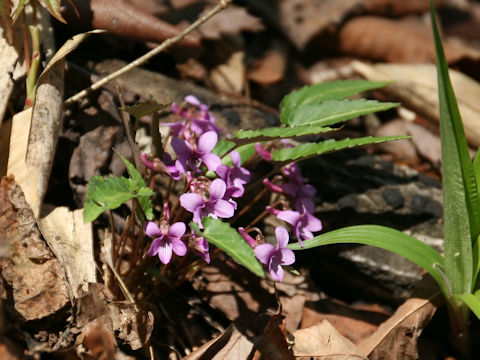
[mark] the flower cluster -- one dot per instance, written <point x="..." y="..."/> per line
<point x="193" y="138"/>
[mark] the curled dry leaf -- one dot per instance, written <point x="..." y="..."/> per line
<point x="124" y="19"/>
<point x="390" y="341"/>
<point x="397" y="41"/>
<point x="416" y="87"/>
<point x="230" y="77"/>
<point x="35" y="276"/>
<point x="324" y="342"/>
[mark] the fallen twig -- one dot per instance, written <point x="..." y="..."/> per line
<point x="143" y="59"/>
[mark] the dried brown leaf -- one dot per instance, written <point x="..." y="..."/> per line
<point x="416" y="87"/>
<point x="324" y="342"/>
<point x="232" y="20"/>
<point x="270" y="68"/>
<point x="230" y="77"/>
<point x="395" y="7"/>
<point x="390" y="340"/>
<point x="35" y="276"/>
<point x="397" y="41"/>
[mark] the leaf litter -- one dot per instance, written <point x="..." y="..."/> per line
<point x="101" y="323"/>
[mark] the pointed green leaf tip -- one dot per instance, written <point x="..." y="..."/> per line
<point x="223" y="236"/>
<point x="460" y="194"/>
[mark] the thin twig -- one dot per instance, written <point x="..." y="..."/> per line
<point x="143" y="59"/>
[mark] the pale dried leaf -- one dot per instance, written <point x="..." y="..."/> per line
<point x="230" y="77"/>
<point x="232" y="20"/>
<point x="35" y="276"/>
<point x="324" y="342"/>
<point x="416" y="87"/>
<point x="71" y="241"/>
<point x="403" y="150"/>
<point x="389" y="341"/>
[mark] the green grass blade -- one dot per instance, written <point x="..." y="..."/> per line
<point x="472" y="301"/>
<point x="329" y="112"/>
<point x="306" y="150"/>
<point x="388" y="239"/>
<point x="460" y="198"/>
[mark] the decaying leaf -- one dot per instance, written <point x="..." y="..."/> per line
<point x="130" y="323"/>
<point x="71" y="241"/>
<point x="416" y="87"/>
<point x="230" y="77"/>
<point x="232" y="20"/>
<point x="324" y="342"/>
<point x="270" y="68"/>
<point x="397" y="41"/>
<point x="35" y="276"/>
<point x="395" y="7"/>
<point x="390" y="341"/>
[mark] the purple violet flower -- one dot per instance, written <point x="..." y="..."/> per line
<point x="193" y="156"/>
<point x="275" y="256"/>
<point x="166" y="240"/>
<point x="303" y="223"/>
<point x="246" y="236"/>
<point x="235" y="177"/>
<point x="216" y="206"/>
<point x="301" y="193"/>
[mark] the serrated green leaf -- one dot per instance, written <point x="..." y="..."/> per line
<point x="223" y="236"/>
<point x="388" y="239"/>
<point x="330" y="112"/>
<point x="334" y="90"/>
<point x="53" y="7"/>
<point x="246" y="151"/>
<point x="106" y="194"/>
<point x="133" y="172"/>
<point x="143" y="109"/>
<point x="306" y="150"/>
<point x="281" y="132"/>
<point x="460" y="194"/>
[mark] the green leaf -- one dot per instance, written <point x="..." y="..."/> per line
<point x="460" y="197"/>
<point x="104" y="194"/>
<point x="133" y="172"/>
<point x="143" y="193"/>
<point x="306" y="150"/>
<point x="388" y="239"/>
<point x="222" y="147"/>
<point x="472" y="301"/>
<point x="330" y="112"/>
<point x="223" y="236"/>
<point x="53" y="7"/>
<point x="334" y="90"/>
<point x="281" y="132"/>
